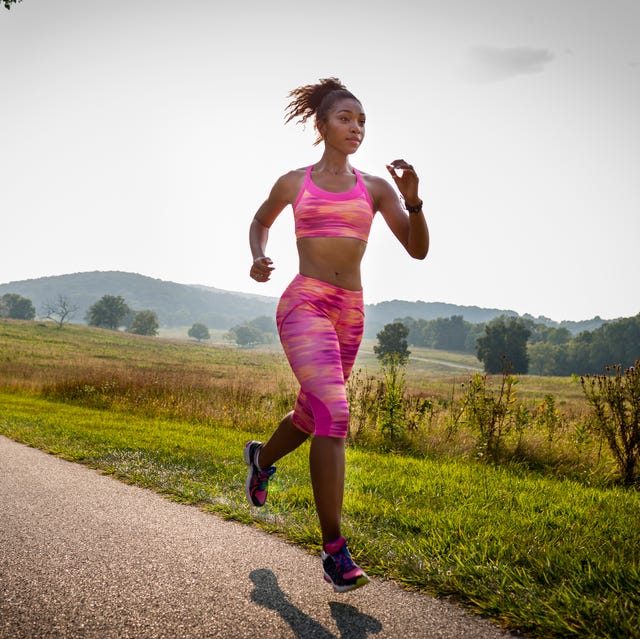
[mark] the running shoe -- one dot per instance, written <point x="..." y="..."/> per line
<point x="257" y="480"/>
<point x="339" y="569"/>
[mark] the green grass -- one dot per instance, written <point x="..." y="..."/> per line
<point x="553" y="558"/>
<point x="538" y="553"/>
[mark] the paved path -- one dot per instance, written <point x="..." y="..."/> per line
<point x="83" y="555"/>
<point x="448" y="364"/>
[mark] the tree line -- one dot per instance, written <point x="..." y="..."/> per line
<point x="110" y="311"/>
<point x="113" y="312"/>
<point x="519" y="344"/>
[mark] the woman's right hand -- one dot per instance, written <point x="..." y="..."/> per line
<point x="261" y="269"/>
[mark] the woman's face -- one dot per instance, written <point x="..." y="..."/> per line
<point x="343" y="127"/>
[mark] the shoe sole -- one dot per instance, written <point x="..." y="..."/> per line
<point x="362" y="580"/>
<point x="247" y="450"/>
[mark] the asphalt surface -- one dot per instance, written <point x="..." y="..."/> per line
<point x="83" y="555"/>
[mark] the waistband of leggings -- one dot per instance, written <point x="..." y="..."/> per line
<point x="311" y="284"/>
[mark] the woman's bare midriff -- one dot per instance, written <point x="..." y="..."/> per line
<point x="332" y="259"/>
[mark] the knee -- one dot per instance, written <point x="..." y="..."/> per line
<point x="302" y="421"/>
<point x="334" y="423"/>
<point x="316" y="418"/>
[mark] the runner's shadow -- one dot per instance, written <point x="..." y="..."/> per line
<point x="350" y="621"/>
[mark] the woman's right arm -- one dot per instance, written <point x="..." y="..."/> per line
<point x="279" y="197"/>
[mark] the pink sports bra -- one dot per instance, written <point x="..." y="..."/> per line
<point x="319" y="213"/>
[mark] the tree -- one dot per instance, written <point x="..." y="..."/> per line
<point x="622" y="340"/>
<point x="546" y="358"/>
<point x="60" y="311"/>
<point x="144" y="323"/>
<point x="615" y="342"/>
<point x="504" y="346"/>
<point x="264" y="323"/>
<point x="246" y="335"/>
<point x="199" y="331"/>
<point x="541" y="333"/>
<point x="416" y="328"/>
<point x="15" y="306"/>
<point x="475" y="331"/>
<point x="450" y="334"/>
<point x="108" y="312"/>
<point x="392" y="342"/>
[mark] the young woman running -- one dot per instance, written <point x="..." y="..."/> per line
<point x="320" y="315"/>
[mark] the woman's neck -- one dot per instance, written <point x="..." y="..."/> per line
<point x="334" y="164"/>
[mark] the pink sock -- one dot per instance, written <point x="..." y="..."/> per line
<point x="334" y="546"/>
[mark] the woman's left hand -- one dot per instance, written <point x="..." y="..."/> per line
<point x="406" y="180"/>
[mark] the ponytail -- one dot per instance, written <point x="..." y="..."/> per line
<point x="316" y="99"/>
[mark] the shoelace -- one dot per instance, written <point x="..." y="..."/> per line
<point x="263" y="477"/>
<point x="343" y="560"/>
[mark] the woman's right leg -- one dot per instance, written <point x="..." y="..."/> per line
<point x="285" y="439"/>
<point x="327" y="463"/>
<point x="321" y="357"/>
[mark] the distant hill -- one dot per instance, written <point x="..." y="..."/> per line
<point x="380" y="314"/>
<point x="175" y="304"/>
<point x="183" y="304"/>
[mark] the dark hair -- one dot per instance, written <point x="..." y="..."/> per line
<point x="316" y="99"/>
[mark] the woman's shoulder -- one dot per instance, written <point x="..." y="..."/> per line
<point x="295" y="174"/>
<point x="289" y="184"/>
<point x="293" y="177"/>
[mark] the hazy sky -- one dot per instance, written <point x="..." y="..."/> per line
<point x="142" y="136"/>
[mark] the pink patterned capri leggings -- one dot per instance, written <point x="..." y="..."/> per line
<point x="320" y="328"/>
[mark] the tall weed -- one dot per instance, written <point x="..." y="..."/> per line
<point x="235" y="402"/>
<point x="614" y="398"/>
<point x="488" y="412"/>
<point x="392" y="407"/>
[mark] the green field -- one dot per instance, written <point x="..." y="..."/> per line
<point x="542" y="539"/>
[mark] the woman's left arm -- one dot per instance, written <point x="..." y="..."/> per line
<point x="410" y="226"/>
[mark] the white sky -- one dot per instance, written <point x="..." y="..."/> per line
<point x="142" y="136"/>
